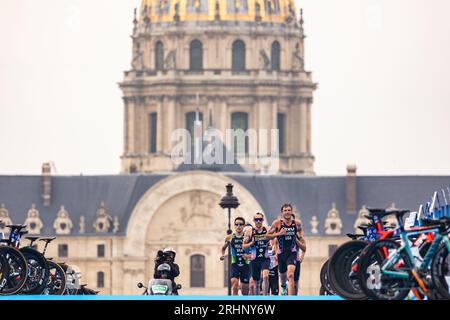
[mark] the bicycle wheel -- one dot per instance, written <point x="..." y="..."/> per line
<point x="38" y="271"/>
<point x="325" y="283"/>
<point x="4" y="270"/>
<point x="440" y="272"/>
<point x="18" y="270"/>
<point x="341" y="270"/>
<point x="373" y="282"/>
<point x="56" y="283"/>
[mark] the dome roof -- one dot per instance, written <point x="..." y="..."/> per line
<point x="210" y="10"/>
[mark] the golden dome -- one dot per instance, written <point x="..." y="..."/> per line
<point x="210" y="10"/>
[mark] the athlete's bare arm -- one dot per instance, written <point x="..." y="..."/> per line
<point x="300" y="239"/>
<point x="273" y="231"/>
<point x="225" y="246"/>
<point x="248" y="240"/>
<point x="302" y="256"/>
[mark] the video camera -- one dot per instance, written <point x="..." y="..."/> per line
<point x="162" y="257"/>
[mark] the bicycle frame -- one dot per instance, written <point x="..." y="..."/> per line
<point x="394" y="257"/>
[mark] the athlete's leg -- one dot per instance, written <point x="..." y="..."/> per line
<point x="235" y="286"/>
<point x="282" y="269"/>
<point x="244" y="276"/>
<point x="290" y="277"/>
<point x="297" y="277"/>
<point x="244" y="289"/>
<point x="265" y="282"/>
<point x="251" y="286"/>
<point x="256" y="273"/>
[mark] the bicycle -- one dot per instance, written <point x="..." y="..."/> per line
<point x="389" y="270"/>
<point x="56" y="283"/>
<point x="16" y="274"/>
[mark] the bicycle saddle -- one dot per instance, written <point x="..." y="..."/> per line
<point x="375" y="211"/>
<point x="16" y="226"/>
<point x="354" y="236"/>
<point x="47" y="239"/>
<point x="32" y="239"/>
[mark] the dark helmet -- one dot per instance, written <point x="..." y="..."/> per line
<point x="163" y="269"/>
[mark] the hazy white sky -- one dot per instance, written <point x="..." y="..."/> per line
<point x="382" y="67"/>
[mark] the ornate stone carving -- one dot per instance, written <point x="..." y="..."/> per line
<point x="198" y="212"/>
<point x="314" y="224"/>
<point x="297" y="61"/>
<point x="82" y="225"/>
<point x="62" y="224"/>
<point x="33" y="222"/>
<point x="138" y="61"/>
<point x="391" y="219"/>
<point x="333" y="223"/>
<point x="361" y="219"/>
<point x="116" y="224"/>
<point x="170" y="62"/>
<point x="265" y="59"/>
<point x="4" y="218"/>
<point x="103" y="220"/>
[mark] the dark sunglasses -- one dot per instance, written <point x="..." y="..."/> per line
<point x="259" y="219"/>
<point x="238" y="224"/>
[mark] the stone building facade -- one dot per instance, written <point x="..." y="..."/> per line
<point x="246" y="65"/>
<point x="245" y="60"/>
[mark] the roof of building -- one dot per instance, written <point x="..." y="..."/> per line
<point x="311" y="196"/>
<point x="154" y="11"/>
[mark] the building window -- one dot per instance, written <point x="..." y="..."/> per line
<point x="100" y="279"/>
<point x="63" y="250"/>
<point x="159" y="56"/>
<point x="198" y="271"/>
<point x="239" y="120"/>
<point x="331" y="249"/>
<point x="275" y="56"/>
<point x="100" y="250"/>
<point x="152" y="129"/>
<point x="281" y="124"/>
<point x="237" y="6"/>
<point x="272" y="7"/>
<point x="197" y="6"/>
<point x="238" y="56"/>
<point x="163" y="7"/>
<point x="196" y="56"/>
<point x="190" y="118"/>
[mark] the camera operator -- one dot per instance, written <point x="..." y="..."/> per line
<point x="168" y="256"/>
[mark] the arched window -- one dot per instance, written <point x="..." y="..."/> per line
<point x="281" y="121"/>
<point x="190" y="118"/>
<point x="100" y="279"/>
<point x="159" y="56"/>
<point x="238" y="56"/>
<point x="239" y="120"/>
<point x="196" y="56"/>
<point x="275" y="55"/>
<point x="198" y="271"/>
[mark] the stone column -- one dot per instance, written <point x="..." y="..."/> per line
<point x="303" y="125"/>
<point x="131" y="126"/>
<point x="126" y="126"/>
<point x="159" y="125"/>
<point x="294" y="133"/>
<point x="170" y="120"/>
<point x="274" y="117"/>
<point x="309" y="124"/>
<point x="210" y="112"/>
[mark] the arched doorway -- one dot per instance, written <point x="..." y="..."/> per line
<point x="182" y="212"/>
